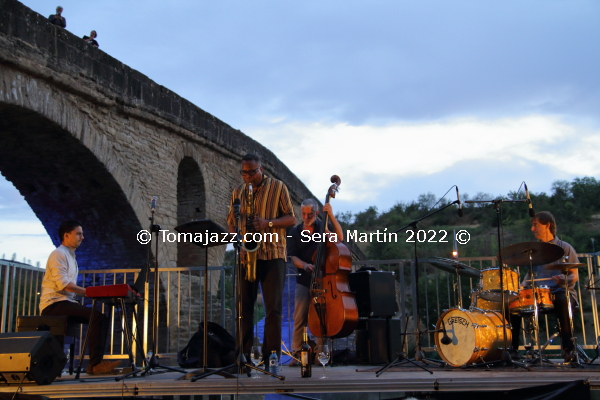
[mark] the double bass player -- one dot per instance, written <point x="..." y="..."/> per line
<point x="301" y="252"/>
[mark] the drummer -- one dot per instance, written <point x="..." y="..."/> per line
<point x="543" y="226"/>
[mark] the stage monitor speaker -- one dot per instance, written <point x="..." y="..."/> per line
<point x="30" y="357"/>
<point x="375" y="293"/>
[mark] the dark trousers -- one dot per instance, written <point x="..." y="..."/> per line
<point x="561" y="311"/>
<point x="81" y="315"/>
<point x="271" y="275"/>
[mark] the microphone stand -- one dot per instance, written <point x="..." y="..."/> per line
<point x="152" y="363"/>
<point x="418" y="356"/>
<point x="241" y="363"/>
<point x="506" y="358"/>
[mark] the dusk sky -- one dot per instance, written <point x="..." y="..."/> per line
<point x="398" y="98"/>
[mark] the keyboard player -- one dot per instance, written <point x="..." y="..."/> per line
<point x="59" y="289"/>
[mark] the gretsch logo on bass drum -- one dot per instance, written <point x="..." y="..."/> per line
<point x="458" y="320"/>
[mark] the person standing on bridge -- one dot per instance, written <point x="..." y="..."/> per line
<point x="59" y="289"/>
<point x="92" y="39"/>
<point x="58" y="19"/>
<point x="273" y="212"/>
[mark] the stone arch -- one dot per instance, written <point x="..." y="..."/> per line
<point x="62" y="179"/>
<point x="191" y="205"/>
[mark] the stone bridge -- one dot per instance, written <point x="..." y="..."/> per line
<point x="85" y="137"/>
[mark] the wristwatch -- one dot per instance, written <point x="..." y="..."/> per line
<point x="270" y="224"/>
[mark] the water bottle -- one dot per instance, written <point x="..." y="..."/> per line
<point x="67" y="351"/>
<point x="149" y="358"/>
<point x="274" y="363"/>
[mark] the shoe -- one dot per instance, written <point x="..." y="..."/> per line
<point x="105" y="367"/>
<point x="568" y="355"/>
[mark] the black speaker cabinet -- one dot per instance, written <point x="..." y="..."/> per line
<point x="375" y="293"/>
<point x="30" y="357"/>
<point x="371" y="341"/>
<point x="377" y="340"/>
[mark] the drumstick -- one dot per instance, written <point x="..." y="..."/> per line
<point x="540" y="279"/>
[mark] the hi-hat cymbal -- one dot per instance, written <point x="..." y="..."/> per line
<point x="449" y="265"/>
<point x="541" y="253"/>
<point x="564" y="267"/>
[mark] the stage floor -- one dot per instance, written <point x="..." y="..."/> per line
<point x="341" y="379"/>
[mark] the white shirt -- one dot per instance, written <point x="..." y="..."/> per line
<point x="61" y="269"/>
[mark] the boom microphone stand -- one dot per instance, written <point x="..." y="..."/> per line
<point x="241" y="363"/>
<point x="506" y="358"/>
<point x="152" y="364"/>
<point x="419" y="356"/>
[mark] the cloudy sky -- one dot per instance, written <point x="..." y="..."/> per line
<point x="399" y="98"/>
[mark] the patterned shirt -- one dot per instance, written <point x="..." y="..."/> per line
<point x="271" y="201"/>
<point x="61" y="269"/>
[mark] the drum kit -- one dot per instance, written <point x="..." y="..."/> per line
<point x="479" y="334"/>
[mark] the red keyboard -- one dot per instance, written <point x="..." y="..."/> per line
<point x="111" y="293"/>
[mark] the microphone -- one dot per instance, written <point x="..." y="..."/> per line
<point x="460" y="210"/>
<point x="236" y="208"/>
<point x="445" y="339"/>
<point x="531" y="211"/>
<point x="153" y="203"/>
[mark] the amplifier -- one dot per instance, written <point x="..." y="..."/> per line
<point x="375" y="293"/>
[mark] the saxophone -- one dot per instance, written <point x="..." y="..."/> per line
<point x="250" y="247"/>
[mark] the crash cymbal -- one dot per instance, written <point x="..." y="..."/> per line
<point x="450" y="265"/>
<point x="564" y="267"/>
<point x="541" y="253"/>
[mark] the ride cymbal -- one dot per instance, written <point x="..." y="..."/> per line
<point x="541" y="253"/>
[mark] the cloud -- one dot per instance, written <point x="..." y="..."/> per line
<point x="368" y="157"/>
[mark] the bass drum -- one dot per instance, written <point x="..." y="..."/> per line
<point x="477" y="336"/>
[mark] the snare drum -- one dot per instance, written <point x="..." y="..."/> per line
<point x="524" y="304"/>
<point x="483" y="304"/>
<point x="490" y="284"/>
<point x="476" y="336"/>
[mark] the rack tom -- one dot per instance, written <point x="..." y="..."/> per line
<point x="483" y="304"/>
<point x="490" y="284"/>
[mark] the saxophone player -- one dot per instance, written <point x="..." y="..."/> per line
<point x="273" y="212"/>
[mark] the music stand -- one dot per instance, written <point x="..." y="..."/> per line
<point x="208" y="229"/>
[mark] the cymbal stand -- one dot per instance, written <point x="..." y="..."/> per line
<point x="535" y="322"/>
<point x="458" y="285"/>
<point x="506" y="358"/>
<point x="418" y="356"/>
<point x="576" y="362"/>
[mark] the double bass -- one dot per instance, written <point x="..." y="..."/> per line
<point x="333" y="312"/>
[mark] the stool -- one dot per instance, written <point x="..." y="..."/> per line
<point x="58" y="326"/>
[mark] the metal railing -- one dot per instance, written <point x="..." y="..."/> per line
<point x="180" y="310"/>
<point x="19" y="287"/>
<point x="437" y="293"/>
<point x="181" y="300"/>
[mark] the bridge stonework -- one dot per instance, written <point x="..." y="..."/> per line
<point x="85" y="137"/>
